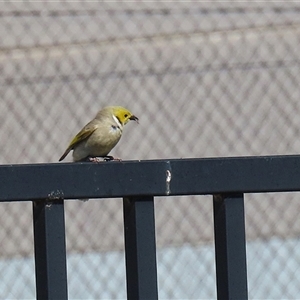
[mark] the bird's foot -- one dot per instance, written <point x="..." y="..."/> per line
<point x="102" y="159"/>
<point x="95" y="159"/>
<point x="109" y="158"/>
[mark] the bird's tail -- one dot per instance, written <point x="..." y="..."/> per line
<point x="65" y="154"/>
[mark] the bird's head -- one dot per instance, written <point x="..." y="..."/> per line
<point x="122" y="114"/>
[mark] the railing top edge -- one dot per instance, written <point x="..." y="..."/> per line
<point x="189" y="159"/>
<point x="188" y="176"/>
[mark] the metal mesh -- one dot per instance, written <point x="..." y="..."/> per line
<point x="206" y="79"/>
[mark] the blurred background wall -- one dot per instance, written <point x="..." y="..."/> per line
<point x="206" y="79"/>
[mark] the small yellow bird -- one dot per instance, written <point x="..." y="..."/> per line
<point x="100" y="136"/>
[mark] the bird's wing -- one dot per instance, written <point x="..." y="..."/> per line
<point x="79" y="137"/>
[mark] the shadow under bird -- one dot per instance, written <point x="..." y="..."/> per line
<point x="100" y="136"/>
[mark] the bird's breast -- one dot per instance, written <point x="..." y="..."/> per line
<point x="103" y="140"/>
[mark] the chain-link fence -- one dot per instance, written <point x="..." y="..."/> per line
<point x="205" y="79"/>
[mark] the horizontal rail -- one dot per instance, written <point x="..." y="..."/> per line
<point x="152" y="178"/>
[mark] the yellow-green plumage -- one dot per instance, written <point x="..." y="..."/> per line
<point x="100" y="136"/>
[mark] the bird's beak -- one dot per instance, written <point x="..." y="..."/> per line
<point x="134" y="118"/>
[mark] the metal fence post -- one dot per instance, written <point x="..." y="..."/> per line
<point x="140" y="248"/>
<point x="50" y="250"/>
<point x="230" y="246"/>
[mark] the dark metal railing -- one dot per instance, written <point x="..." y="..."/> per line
<point x="138" y="182"/>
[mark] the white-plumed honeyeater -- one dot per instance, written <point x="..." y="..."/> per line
<point x="100" y="136"/>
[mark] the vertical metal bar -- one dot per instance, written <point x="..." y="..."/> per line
<point x="50" y="250"/>
<point x="230" y="246"/>
<point x="140" y="248"/>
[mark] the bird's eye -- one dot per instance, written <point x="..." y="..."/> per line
<point x="125" y="115"/>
